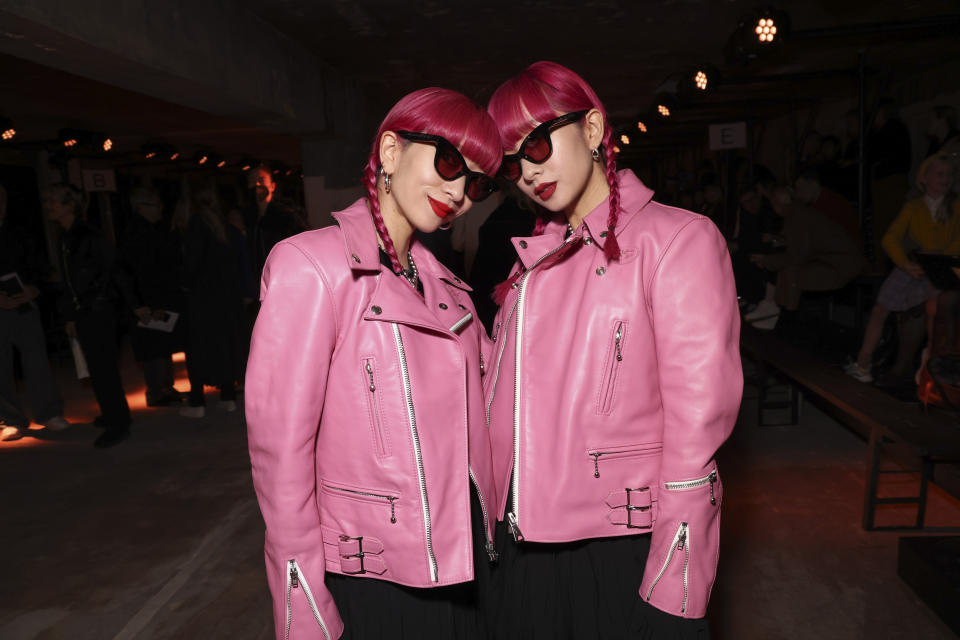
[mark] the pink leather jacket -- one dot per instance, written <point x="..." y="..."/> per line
<point x="365" y="421"/>
<point x="609" y="388"/>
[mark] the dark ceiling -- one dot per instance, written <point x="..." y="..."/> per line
<point x="628" y="50"/>
<point x="625" y="48"/>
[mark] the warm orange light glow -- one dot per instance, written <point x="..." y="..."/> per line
<point x="8" y="134"/>
<point x="107" y="144"/>
<point x="625" y="139"/>
<point x="174" y="155"/>
<point x="245" y="167"/>
<point x="70" y="143"/>
<point x="616" y="149"/>
<point x="151" y="155"/>
<point x="766" y="29"/>
<point x="664" y="111"/>
<point x="180" y="357"/>
<point x="221" y="164"/>
<point x="202" y="160"/>
<point x="642" y="127"/>
<point x="701" y="80"/>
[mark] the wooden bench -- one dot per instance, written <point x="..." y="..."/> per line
<point x="901" y="431"/>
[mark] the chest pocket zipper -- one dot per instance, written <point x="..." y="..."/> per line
<point x="373" y="406"/>
<point x="615" y="357"/>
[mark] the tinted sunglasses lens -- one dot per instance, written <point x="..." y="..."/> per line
<point x="510" y="169"/>
<point x="537" y="146"/>
<point x="479" y="187"/>
<point x="448" y="161"/>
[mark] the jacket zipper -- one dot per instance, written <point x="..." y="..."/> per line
<point x="513" y="519"/>
<point x="408" y="393"/>
<point x="615" y="360"/>
<point x="381" y="496"/>
<point x="693" y="484"/>
<point x="295" y="578"/>
<point x="491" y="550"/>
<point x="372" y="398"/>
<point x="680" y="543"/>
<point x="596" y="459"/>
<point x="496" y="371"/>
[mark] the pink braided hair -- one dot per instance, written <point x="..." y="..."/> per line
<point x="441" y="112"/>
<point x="541" y="92"/>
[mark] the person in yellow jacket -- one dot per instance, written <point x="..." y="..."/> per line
<point x="930" y="223"/>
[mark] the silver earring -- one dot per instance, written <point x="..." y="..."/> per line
<point x="595" y="154"/>
<point x="387" y="182"/>
<point x="446" y="226"/>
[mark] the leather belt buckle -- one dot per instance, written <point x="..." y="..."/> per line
<point x="359" y="554"/>
<point x="631" y="508"/>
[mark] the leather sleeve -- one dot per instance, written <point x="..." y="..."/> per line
<point x="692" y="300"/>
<point x="290" y="356"/>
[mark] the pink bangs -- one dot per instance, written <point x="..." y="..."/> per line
<point x="449" y="114"/>
<point x="541" y="92"/>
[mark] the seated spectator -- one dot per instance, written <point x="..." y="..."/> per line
<point x="756" y="224"/>
<point x="808" y="190"/>
<point x="20" y="327"/>
<point x="819" y="256"/>
<point x="931" y="223"/>
<point x="942" y="131"/>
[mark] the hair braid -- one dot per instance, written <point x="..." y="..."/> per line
<point x="611" y="248"/>
<point x="370" y="182"/>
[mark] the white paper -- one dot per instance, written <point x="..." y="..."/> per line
<point x="79" y="360"/>
<point x="166" y="324"/>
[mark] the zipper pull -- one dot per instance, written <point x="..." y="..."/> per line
<point x="618" y="338"/>
<point x="596" y="465"/>
<point x="492" y="552"/>
<point x="294" y="578"/>
<point x="514" y="527"/>
<point x="482" y="367"/>
<point x="370" y="373"/>
<point x="496" y="332"/>
<point x="713" y="478"/>
<point x="393" y="514"/>
<point x="683" y="536"/>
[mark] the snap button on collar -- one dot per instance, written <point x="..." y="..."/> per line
<point x="376" y="310"/>
<point x="443" y="305"/>
<point x="523" y="244"/>
<point x="601" y="271"/>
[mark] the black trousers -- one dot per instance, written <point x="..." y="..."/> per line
<point x="97" y="334"/>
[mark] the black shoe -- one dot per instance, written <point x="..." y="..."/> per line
<point x="111" y="438"/>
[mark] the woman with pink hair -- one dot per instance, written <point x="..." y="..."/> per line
<point x="613" y="379"/>
<point x="370" y="455"/>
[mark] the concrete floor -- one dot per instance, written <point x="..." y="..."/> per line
<point x="161" y="538"/>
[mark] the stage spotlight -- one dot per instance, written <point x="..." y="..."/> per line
<point x="174" y="154"/>
<point x="246" y="163"/>
<point x="766" y="29"/>
<point x="7" y="131"/>
<point x="663" y="110"/>
<point x="616" y="149"/>
<point x="700" y="79"/>
<point x="624" y="138"/>
<point x="641" y="126"/>
<point x="107" y="144"/>
<point x="221" y="164"/>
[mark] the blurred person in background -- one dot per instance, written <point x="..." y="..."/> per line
<point x="20" y="327"/>
<point x="212" y="280"/>
<point x="149" y="273"/>
<point x="89" y="306"/>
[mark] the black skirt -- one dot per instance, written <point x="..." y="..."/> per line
<point x="381" y="610"/>
<point x="585" y="589"/>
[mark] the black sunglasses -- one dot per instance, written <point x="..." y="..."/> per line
<point x="536" y="147"/>
<point x="450" y="165"/>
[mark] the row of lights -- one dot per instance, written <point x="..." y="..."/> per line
<point x="705" y="77"/>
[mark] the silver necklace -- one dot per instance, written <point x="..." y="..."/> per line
<point x="410" y="273"/>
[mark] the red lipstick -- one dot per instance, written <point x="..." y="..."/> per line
<point x="545" y="190"/>
<point x="439" y="208"/>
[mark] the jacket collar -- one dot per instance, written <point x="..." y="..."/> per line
<point x="634" y="196"/>
<point x="363" y="254"/>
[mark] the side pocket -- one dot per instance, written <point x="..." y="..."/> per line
<point x="371" y="496"/>
<point x="611" y="370"/>
<point x="371" y="381"/>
